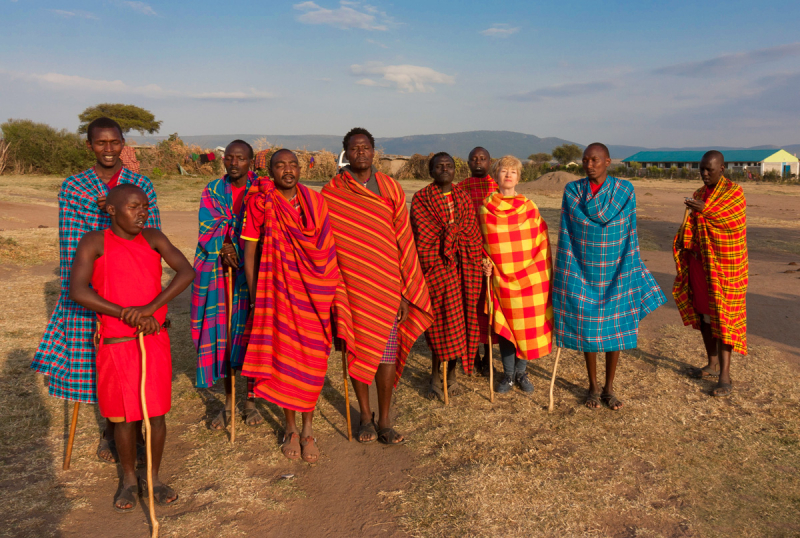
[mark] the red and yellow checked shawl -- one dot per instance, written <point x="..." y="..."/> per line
<point x="379" y="265"/>
<point x="721" y="232"/>
<point x="478" y="189"/>
<point x="450" y="256"/>
<point x="515" y="236"/>
<point x="298" y="283"/>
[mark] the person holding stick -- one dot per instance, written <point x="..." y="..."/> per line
<point x="378" y="259"/>
<point x="67" y="353"/>
<point x="710" y="253"/>
<point x="293" y="287"/>
<point x="116" y="273"/>
<point x="520" y="267"/>
<point x="220" y="248"/>
<point x="449" y="247"/>
<point x="601" y="289"/>
<point x="478" y="187"/>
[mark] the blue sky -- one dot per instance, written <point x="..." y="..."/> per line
<point x="647" y="73"/>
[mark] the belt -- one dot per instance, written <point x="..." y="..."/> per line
<point x="98" y="339"/>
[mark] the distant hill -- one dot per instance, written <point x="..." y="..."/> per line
<point x="497" y="142"/>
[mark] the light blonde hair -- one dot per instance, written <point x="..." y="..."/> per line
<point x="508" y="161"/>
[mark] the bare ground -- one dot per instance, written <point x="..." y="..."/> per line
<point x="674" y="462"/>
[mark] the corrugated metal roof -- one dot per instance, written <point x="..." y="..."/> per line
<point x="738" y="155"/>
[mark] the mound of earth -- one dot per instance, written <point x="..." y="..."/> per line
<point x="550" y="182"/>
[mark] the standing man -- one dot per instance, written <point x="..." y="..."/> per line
<point x="602" y="289"/>
<point x="220" y="247"/>
<point x="381" y="272"/>
<point x="478" y="187"/>
<point x="710" y="253"/>
<point x="67" y="353"/>
<point x="449" y="246"/>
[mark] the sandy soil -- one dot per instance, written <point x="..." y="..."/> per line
<point x="349" y="492"/>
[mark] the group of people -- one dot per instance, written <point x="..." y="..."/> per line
<point x="283" y="273"/>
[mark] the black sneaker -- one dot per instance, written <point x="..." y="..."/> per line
<point x="523" y="382"/>
<point x="504" y="385"/>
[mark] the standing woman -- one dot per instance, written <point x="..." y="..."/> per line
<point x="515" y="237"/>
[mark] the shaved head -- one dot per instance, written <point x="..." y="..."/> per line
<point x="598" y="145"/>
<point x="714" y="155"/>
<point x="479" y="148"/>
<point x="119" y="194"/>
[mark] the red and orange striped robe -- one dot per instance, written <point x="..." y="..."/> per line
<point x="379" y="266"/>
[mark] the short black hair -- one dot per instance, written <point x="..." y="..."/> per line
<point x="271" y="157"/>
<point x="601" y="146"/>
<point x="479" y="148"/>
<point x="357" y="131"/>
<point x="116" y="194"/>
<point x="714" y="154"/>
<point x="242" y="142"/>
<point x="440" y="154"/>
<point x="103" y="123"/>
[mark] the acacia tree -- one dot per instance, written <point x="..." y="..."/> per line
<point x="129" y="117"/>
<point x="567" y="153"/>
<point x="540" y="158"/>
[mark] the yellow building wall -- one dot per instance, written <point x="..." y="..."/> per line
<point x="781" y="156"/>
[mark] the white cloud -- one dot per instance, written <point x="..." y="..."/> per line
<point x="500" y="30"/>
<point x="346" y="16"/>
<point x="377" y="44"/>
<point x="58" y="81"/>
<point x="559" y="91"/>
<point x="141" y="7"/>
<point x="406" y="78"/>
<point x="731" y="63"/>
<point x="71" y="14"/>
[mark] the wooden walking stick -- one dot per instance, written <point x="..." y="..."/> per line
<point x="553" y="380"/>
<point x="230" y="358"/>
<point x="346" y="392"/>
<point x="444" y="367"/>
<point x="148" y="439"/>
<point x="71" y="439"/>
<point x="489" y="334"/>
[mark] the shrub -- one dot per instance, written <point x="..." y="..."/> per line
<point x="37" y="147"/>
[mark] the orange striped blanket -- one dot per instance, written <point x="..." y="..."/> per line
<point x="298" y="284"/>
<point x="515" y="236"/>
<point x="721" y="232"/>
<point x="379" y="266"/>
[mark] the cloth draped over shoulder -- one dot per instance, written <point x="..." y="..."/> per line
<point x="450" y="257"/>
<point x="515" y="237"/>
<point x="601" y="289"/>
<point x="209" y="316"/>
<point x="66" y="352"/>
<point x="720" y="230"/>
<point x="478" y="189"/>
<point x="298" y="285"/>
<point x="379" y="265"/>
<point x="129" y="274"/>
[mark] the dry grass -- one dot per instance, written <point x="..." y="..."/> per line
<point x="28" y="247"/>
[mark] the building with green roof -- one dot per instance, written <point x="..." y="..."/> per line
<point x="758" y="161"/>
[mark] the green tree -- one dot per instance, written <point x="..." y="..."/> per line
<point x="37" y="147"/>
<point x="566" y="153"/>
<point x="129" y="117"/>
<point x="540" y="158"/>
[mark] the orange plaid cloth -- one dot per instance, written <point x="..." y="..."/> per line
<point x="515" y="236"/>
<point x="129" y="160"/>
<point x="721" y="233"/>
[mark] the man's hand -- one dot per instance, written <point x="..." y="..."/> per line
<point x="487" y="266"/>
<point x="133" y="315"/>
<point x="695" y="205"/>
<point x="148" y="326"/>
<point x="228" y="256"/>
<point x="101" y="203"/>
<point x="402" y="312"/>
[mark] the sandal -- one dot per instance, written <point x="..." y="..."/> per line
<point x="368" y="429"/>
<point x="453" y="388"/>
<point x="722" y="389"/>
<point x="109" y="447"/>
<point x="160" y="493"/>
<point x="613" y="403"/>
<point x="592" y="401"/>
<point x="434" y="391"/>
<point x="702" y="373"/>
<point x="388" y="436"/>
<point x="252" y="417"/>
<point x="291" y="441"/>
<point x="222" y="420"/>
<point x="129" y="495"/>
<point x="310" y="450"/>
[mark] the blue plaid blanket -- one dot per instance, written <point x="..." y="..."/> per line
<point x="66" y="352"/>
<point x="602" y="289"/>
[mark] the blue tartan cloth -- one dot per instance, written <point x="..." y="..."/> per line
<point x="602" y="289"/>
<point x="209" y="321"/>
<point x="66" y="352"/>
